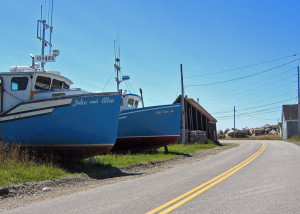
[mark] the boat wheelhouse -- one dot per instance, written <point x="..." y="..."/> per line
<point x="130" y="101"/>
<point x="24" y="84"/>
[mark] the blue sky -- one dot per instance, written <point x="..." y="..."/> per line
<point x="157" y="36"/>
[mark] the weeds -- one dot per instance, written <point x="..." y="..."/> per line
<point x="18" y="166"/>
<point x="295" y="138"/>
<point x="261" y="137"/>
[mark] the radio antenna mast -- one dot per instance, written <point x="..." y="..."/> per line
<point x="42" y="26"/>
<point x="117" y="67"/>
<point x="117" y="64"/>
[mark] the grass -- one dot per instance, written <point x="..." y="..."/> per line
<point x="122" y="160"/>
<point x="261" y="137"/>
<point x="295" y="138"/>
<point x="175" y="150"/>
<point x="17" y="166"/>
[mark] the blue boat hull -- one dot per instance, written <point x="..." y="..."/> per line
<point x="149" y="127"/>
<point x="83" y="125"/>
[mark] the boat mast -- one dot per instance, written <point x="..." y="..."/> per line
<point x="43" y="44"/>
<point x="42" y="26"/>
<point x="117" y="66"/>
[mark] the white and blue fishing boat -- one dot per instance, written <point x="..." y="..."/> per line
<point x="39" y="110"/>
<point x="142" y="127"/>
<point x="146" y="127"/>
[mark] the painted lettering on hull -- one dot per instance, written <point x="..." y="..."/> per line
<point x="82" y="102"/>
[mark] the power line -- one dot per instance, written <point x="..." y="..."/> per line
<point x="254" y="112"/>
<point x="243" y="67"/>
<point x="230" y="117"/>
<point x="267" y="104"/>
<point x="256" y="106"/>
<point x="250" y="91"/>
<point x="249" y="113"/>
<point x="263" y="118"/>
<point x="241" y="121"/>
<point x="243" y="77"/>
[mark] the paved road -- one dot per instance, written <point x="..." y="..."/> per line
<point x="267" y="183"/>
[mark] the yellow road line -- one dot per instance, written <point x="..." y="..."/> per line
<point x="205" y="186"/>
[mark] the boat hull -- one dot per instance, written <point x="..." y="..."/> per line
<point x="147" y="128"/>
<point x="81" y="126"/>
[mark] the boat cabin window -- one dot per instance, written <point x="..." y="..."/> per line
<point x="19" y="83"/>
<point x="65" y="86"/>
<point x="42" y="83"/>
<point x="136" y="104"/>
<point x="56" y="84"/>
<point x="130" y="102"/>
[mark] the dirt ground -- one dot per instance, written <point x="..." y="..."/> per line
<point x="21" y="194"/>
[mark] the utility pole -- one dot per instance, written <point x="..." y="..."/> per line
<point x="182" y="108"/>
<point x="298" y="103"/>
<point x="234" y="121"/>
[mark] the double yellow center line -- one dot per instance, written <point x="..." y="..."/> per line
<point x="182" y="199"/>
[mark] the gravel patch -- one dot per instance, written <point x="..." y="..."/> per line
<point x="22" y="194"/>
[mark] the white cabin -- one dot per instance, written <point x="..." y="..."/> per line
<point x="23" y="84"/>
<point x="130" y="101"/>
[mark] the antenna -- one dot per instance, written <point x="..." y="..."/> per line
<point x="51" y="27"/>
<point x="117" y="67"/>
<point x="42" y="26"/>
<point x="117" y="64"/>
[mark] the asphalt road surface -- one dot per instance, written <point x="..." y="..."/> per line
<point x="256" y="177"/>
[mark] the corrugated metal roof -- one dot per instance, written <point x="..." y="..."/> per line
<point x="290" y="112"/>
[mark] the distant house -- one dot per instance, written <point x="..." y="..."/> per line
<point x="198" y="120"/>
<point x="289" y="121"/>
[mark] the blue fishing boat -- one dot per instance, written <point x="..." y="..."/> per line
<point x="39" y="110"/>
<point x="142" y="127"/>
<point x="146" y="127"/>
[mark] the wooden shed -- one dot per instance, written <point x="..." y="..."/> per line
<point x="198" y="119"/>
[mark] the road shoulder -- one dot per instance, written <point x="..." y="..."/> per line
<point x="22" y="194"/>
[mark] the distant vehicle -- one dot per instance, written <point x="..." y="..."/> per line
<point x="40" y="111"/>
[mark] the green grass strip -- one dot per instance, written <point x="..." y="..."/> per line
<point x="13" y="170"/>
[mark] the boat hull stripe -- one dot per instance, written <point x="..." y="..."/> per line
<point x="150" y="109"/>
<point x="25" y="115"/>
<point x="27" y="107"/>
